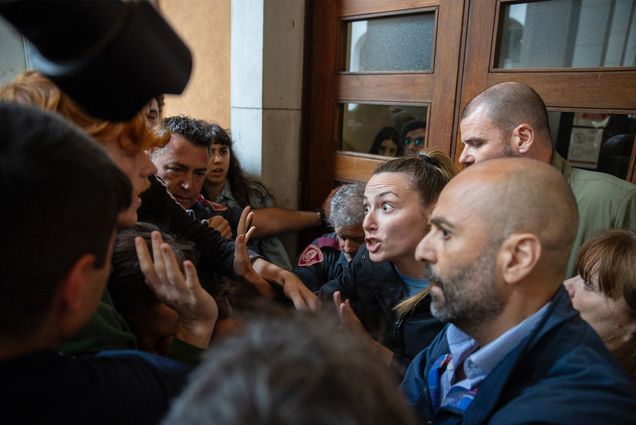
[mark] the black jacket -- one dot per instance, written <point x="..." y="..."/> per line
<point x="373" y="289"/>
<point x="216" y="252"/>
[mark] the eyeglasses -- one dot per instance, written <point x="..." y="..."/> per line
<point x="419" y="141"/>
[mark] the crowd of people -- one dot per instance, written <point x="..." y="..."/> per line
<point x="143" y="280"/>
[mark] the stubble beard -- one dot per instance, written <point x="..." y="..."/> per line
<point x="469" y="298"/>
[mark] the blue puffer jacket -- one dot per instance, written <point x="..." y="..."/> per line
<point x="560" y="374"/>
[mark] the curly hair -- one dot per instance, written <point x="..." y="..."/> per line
<point x="346" y="208"/>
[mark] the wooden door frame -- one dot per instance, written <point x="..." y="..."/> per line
<point x="469" y="47"/>
<point x="611" y="90"/>
<point x="329" y="87"/>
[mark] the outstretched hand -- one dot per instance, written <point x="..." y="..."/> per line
<point x="349" y="320"/>
<point x="197" y="309"/>
<point x="242" y="263"/>
<point x="347" y="316"/>
<point x="302" y="297"/>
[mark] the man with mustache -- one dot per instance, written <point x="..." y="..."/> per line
<point x="514" y="349"/>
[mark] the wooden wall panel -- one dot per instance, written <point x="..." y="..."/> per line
<point x="414" y="88"/>
<point x="355" y="168"/>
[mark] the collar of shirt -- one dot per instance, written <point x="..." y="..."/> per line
<point x="561" y="164"/>
<point x="481" y="362"/>
<point x="225" y="197"/>
<point x="413" y="285"/>
<point x="342" y="260"/>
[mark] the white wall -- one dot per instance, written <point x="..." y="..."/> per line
<point x="266" y="94"/>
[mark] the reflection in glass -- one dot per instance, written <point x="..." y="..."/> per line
<point x="595" y="141"/>
<point x="387" y="130"/>
<point x="567" y="34"/>
<point x="401" y="43"/>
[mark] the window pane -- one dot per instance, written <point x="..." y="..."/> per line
<point x="388" y="130"/>
<point x="594" y="141"/>
<point x="402" y="43"/>
<point x="12" y="58"/>
<point x="568" y="34"/>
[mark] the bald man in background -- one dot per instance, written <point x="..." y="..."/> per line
<point x="515" y="350"/>
<point x="510" y="120"/>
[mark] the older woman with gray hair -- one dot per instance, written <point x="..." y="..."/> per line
<point x="325" y="257"/>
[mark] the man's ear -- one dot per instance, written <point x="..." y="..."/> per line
<point x="74" y="293"/>
<point x="518" y="256"/>
<point x="522" y="138"/>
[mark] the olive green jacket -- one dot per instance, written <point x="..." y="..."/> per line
<point x="604" y="201"/>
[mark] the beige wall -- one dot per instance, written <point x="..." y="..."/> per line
<point x="205" y="27"/>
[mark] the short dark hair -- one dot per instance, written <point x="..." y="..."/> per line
<point x="132" y="297"/>
<point x="195" y="131"/>
<point x="410" y="126"/>
<point x="65" y="195"/>
<point x="291" y="370"/>
<point x="510" y="104"/>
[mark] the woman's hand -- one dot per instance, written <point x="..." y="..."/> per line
<point x="197" y="309"/>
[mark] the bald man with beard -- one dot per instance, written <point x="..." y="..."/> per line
<point x="514" y="350"/>
<point x="510" y="120"/>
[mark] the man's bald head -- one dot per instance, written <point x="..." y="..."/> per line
<point x="510" y="104"/>
<point x="522" y="196"/>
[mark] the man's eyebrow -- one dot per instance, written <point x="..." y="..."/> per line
<point x="440" y="222"/>
<point x="473" y="140"/>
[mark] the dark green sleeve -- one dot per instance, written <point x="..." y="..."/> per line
<point x="107" y="330"/>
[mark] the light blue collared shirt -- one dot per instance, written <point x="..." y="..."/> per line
<point x="479" y="362"/>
